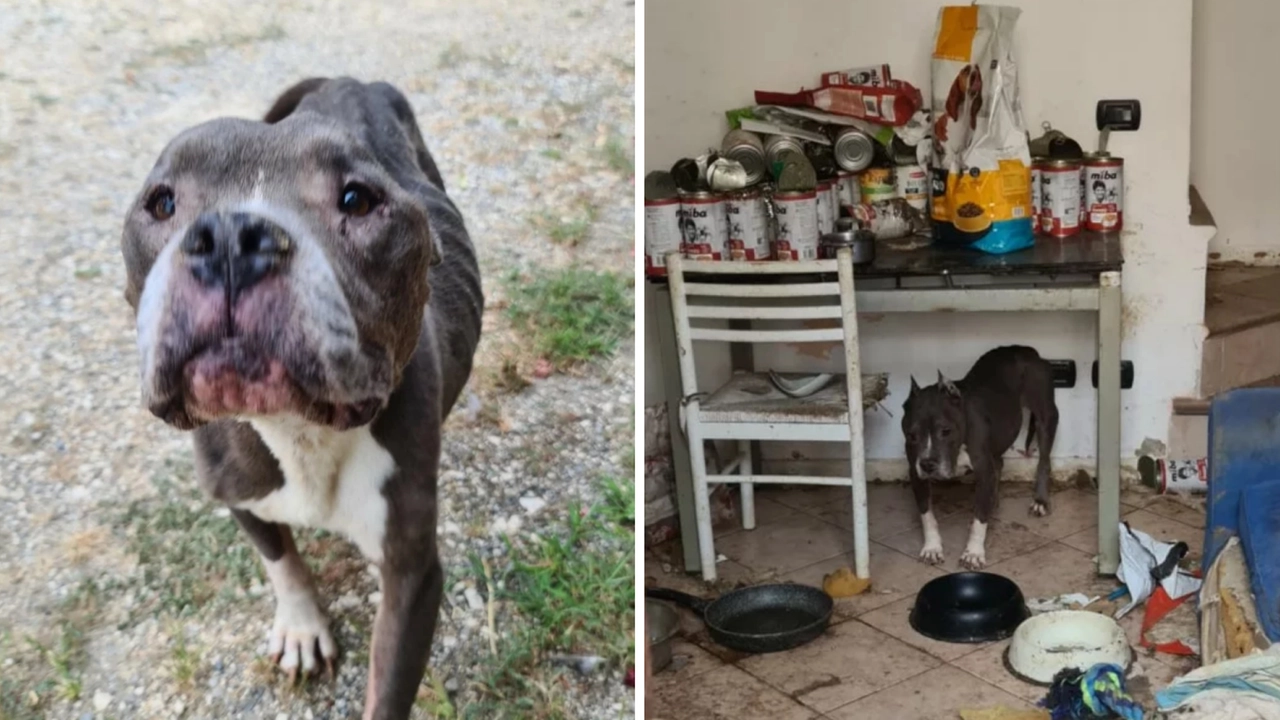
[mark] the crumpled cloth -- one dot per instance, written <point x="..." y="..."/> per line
<point x="1229" y="705"/>
<point x="1139" y="554"/>
<point x="1246" y="684"/>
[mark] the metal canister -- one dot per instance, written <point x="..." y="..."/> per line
<point x="877" y="184"/>
<point x="1081" y="205"/>
<point x="1035" y="195"/>
<point x="748" y="149"/>
<point x="797" y="235"/>
<point x="827" y="212"/>
<point x="775" y="145"/>
<point x="847" y="190"/>
<point x="749" y="227"/>
<point x="1175" y="476"/>
<point x="912" y="184"/>
<point x="1060" y="197"/>
<point x="661" y="234"/>
<point x="1103" y="193"/>
<point x="704" y="226"/>
<point x="854" y="149"/>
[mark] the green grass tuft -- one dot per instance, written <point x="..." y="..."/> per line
<point x="571" y="315"/>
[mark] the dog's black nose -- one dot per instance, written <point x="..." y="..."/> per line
<point x="234" y="250"/>
<point x="929" y="466"/>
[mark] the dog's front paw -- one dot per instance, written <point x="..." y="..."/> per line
<point x="300" y="631"/>
<point x="1039" y="509"/>
<point x="932" y="554"/>
<point x="974" y="559"/>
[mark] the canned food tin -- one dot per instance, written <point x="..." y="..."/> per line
<point x="748" y="149"/>
<point x="854" y="149"/>
<point x="704" y="225"/>
<point x="1035" y="196"/>
<point x="1175" y="476"/>
<point x="877" y="184"/>
<point x="797" y="237"/>
<point x="1104" y="194"/>
<point x="775" y="145"/>
<point x="748" y="227"/>
<point x="847" y="190"/>
<point x="661" y="234"/>
<point x="826" y="207"/>
<point x="912" y="182"/>
<point x="1081" y="205"/>
<point x="1060" y="197"/>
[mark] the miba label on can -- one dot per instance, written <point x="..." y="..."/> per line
<point x="748" y="228"/>
<point x="797" y="237"/>
<point x="1104" y="194"/>
<point x="705" y="227"/>
<point x="661" y="234"/>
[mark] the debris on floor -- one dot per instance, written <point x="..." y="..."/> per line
<point x="1004" y="713"/>
<point x="1069" y="601"/>
<point x="1144" y="560"/>
<point x="844" y="583"/>
<point x="1098" y="692"/>
<point x="1229" y="625"/>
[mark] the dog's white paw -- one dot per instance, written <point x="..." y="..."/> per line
<point x="974" y="560"/>
<point x="1039" y="509"/>
<point x="300" y="636"/>
<point x="931" y="554"/>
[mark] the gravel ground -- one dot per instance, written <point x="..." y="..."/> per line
<point x="527" y="107"/>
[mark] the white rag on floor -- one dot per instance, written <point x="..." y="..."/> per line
<point x="1139" y="554"/>
<point x="1229" y="705"/>
<point x="1245" y="688"/>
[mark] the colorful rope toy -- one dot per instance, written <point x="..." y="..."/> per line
<point x="1095" y="693"/>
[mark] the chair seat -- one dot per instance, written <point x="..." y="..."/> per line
<point x="752" y="398"/>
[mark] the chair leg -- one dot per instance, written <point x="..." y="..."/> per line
<point x="748" y="490"/>
<point x="701" y="498"/>
<point x="861" y="540"/>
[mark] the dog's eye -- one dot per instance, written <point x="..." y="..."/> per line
<point x="161" y="204"/>
<point x="357" y="200"/>
<point x="946" y="432"/>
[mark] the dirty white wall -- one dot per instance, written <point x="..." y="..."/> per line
<point x="1235" y="160"/>
<point x="704" y="57"/>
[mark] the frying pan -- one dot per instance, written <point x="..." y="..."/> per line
<point x="760" y="619"/>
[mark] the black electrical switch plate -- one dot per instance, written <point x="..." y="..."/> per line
<point x="1119" y="115"/>
<point x="1126" y="374"/>
<point x="1064" y="373"/>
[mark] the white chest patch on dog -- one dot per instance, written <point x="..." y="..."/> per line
<point x="332" y="480"/>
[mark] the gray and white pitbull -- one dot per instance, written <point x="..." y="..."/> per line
<point x="974" y="421"/>
<point x="308" y="302"/>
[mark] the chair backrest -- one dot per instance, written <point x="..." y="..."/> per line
<point x="780" y="292"/>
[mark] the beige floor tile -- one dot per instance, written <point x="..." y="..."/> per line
<point x="803" y="497"/>
<point x="768" y="511"/>
<point x="894" y="619"/>
<point x="891" y="508"/>
<point x="1054" y="569"/>
<point x="661" y="570"/>
<point x="850" y="661"/>
<point x="1186" y="510"/>
<point x="893" y="577"/>
<point x="1004" y="540"/>
<point x="1157" y="526"/>
<point x="938" y="693"/>
<point x="788" y="544"/>
<point x="1070" y="512"/>
<point x="688" y="661"/>
<point x="725" y="693"/>
<point x="988" y="664"/>
<point x="1230" y="311"/>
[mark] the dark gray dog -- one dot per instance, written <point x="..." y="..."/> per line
<point x="977" y="419"/>
<point x="280" y="273"/>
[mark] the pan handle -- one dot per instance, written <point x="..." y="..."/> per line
<point x="692" y="602"/>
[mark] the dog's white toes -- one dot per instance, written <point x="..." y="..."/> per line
<point x="300" y="632"/>
<point x="1039" y="509"/>
<point x="974" y="561"/>
<point x="932" y="555"/>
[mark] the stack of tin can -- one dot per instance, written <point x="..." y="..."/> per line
<point x="1071" y="195"/>
<point x="795" y="194"/>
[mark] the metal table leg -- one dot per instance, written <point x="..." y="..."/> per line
<point x="670" y="364"/>
<point x="1109" y="335"/>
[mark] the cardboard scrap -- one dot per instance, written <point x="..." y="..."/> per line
<point x="1004" y="713"/>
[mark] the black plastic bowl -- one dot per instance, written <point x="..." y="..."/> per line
<point x="969" y="607"/>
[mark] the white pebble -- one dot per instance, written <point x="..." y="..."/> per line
<point x="532" y="503"/>
<point x="474" y="601"/>
<point x="101" y="700"/>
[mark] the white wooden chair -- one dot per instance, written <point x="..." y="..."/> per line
<point x="748" y="407"/>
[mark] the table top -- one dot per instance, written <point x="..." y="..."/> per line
<point x="1088" y="253"/>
